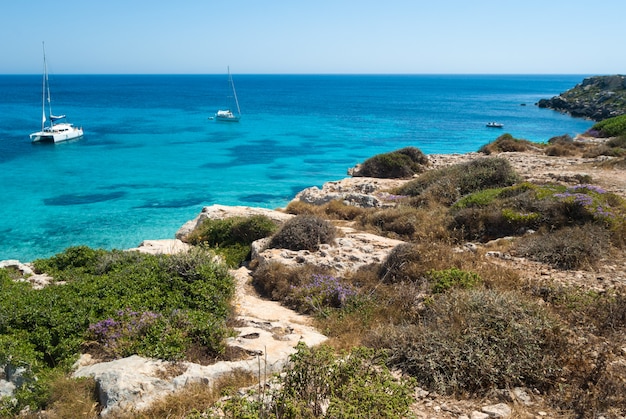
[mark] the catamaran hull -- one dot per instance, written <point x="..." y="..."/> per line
<point x="56" y="137"/>
<point x="227" y="118"/>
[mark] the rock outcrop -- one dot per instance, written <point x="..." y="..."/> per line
<point x="596" y="98"/>
<point x="360" y="192"/>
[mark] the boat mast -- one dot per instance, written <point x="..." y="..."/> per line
<point x="43" y="88"/>
<point x="232" y="86"/>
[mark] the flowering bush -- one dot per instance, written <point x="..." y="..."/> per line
<point x="322" y="292"/>
<point x="591" y="198"/>
<point x="131" y="332"/>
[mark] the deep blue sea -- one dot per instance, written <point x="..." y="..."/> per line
<point x="151" y="159"/>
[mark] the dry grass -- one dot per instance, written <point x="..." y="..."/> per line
<point x="194" y="398"/>
<point x="73" y="398"/>
<point x="505" y="144"/>
<point x="426" y="223"/>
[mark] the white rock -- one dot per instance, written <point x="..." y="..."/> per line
<point x="166" y="247"/>
<point x="500" y="410"/>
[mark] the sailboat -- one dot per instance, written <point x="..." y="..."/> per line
<point x="228" y="115"/>
<point x="57" y="129"/>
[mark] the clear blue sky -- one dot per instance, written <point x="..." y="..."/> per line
<point x="314" y="36"/>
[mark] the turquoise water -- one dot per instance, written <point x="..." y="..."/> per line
<point x="151" y="158"/>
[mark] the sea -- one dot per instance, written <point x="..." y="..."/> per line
<point x="152" y="157"/>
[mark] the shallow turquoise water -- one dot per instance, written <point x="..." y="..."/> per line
<point x="151" y="158"/>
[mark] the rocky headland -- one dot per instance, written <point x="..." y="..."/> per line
<point x="596" y="98"/>
<point x="268" y="332"/>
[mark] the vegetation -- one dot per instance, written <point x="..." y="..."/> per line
<point x="476" y="340"/>
<point x="112" y="304"/>
<point x="611" y="127"/>
<point x="304" y="232"/>
<point x="506" y="143"/>
<point x="231" y="237"/>
<point x="320" y="383"/>
<point x="448" y="184"/>
<point x="402" y="163"/>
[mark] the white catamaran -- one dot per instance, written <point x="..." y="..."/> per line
<point x="55" y="131"/>
<point x="228" y="115"/>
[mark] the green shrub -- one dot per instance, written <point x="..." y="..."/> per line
<point x="448" y="184"/>
<point x="319" y="383"/>
<point x="230" y="231"/>
<point x="319" y="293"/>
<point x="304" y="232"/>
<point x="452" y="278"/>
<point x="231" y="237"/>
<point x="114" y="304"/>
<point x="77" y="257"/>
<point x="402" y="163"/>
<point x="473" y="341"/>
<point x="611" y="127"/>
<point x="568" y="248"/>
<point x="514" y="210"/>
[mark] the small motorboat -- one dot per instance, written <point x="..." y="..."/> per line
<point x="494" y="125"/>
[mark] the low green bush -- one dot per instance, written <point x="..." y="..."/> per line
<point x="113" y="304"/>
<point x="493" y="213"/>
<point x="611" y="127"/>
<point x="297" y="288"/>
<point x="402" y="163"/>
<point x="446" y="279"/>
<point x="304" y="232"/>
<point x="231" y="237"/>
<point x="317" y="382"/>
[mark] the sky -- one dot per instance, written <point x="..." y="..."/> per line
<point x="314" y="36"/>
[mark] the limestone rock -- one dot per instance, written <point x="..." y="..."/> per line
<point x="166" y="247"/>
<point x="359" y="192"/>
<point x="37" y="281"/>
<point x="351" y="251"/>
<point x="500" y="410"/>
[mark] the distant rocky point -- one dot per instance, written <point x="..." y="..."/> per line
<point x="596" y="98"/>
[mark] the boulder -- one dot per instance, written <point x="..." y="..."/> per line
<point x="361" y="192"/>
<point x="351" y="251"/>
<point x="165" y="247"/>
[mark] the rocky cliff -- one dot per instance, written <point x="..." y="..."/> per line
<point x="596" y="98"/>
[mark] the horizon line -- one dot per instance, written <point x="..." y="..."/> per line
<point x="320" y="74"/>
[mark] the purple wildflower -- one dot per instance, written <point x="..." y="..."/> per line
<point x="590" y="188"/>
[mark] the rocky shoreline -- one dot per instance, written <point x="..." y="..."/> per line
<point x="596" y="98"/>
<point x="269" y="332"/>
